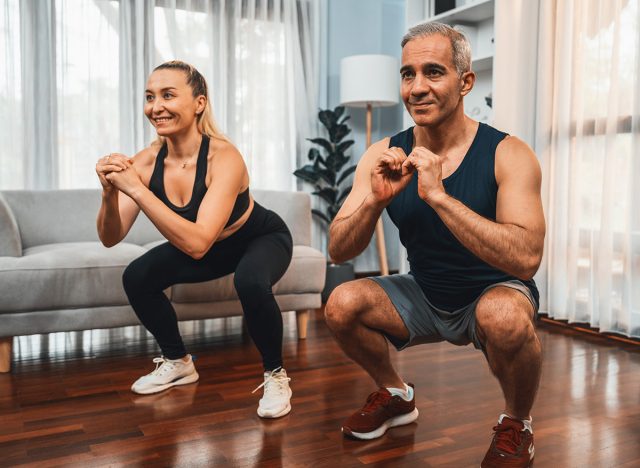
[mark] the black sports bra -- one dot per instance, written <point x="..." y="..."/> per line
<point x="190" y="210"/>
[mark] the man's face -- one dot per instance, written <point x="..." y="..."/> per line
<point x="430" y="86"/>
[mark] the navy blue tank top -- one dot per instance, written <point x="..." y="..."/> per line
<point x="190" y="210"/>
<point x="448" y="273"/>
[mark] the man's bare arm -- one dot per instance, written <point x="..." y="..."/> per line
<point x="350" y="235"/>
<point x="514" y="242"/>
<point x="380" y="176"/>
<point x="516" y="250"/>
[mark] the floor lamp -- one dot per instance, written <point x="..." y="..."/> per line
<point x="369" y="81"/>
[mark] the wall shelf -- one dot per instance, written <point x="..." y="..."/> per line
<point x="475" y="12"/>
<point x="482" y="63"/>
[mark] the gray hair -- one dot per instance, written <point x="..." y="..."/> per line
<point x="459" y="43"/>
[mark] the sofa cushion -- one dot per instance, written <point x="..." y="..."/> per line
<point x="306" y="274"/>
<point x="65" y="275"/>
<point x="293" y="207"/>
<point x="50" y="216"/>
<point x="153" y="244"/>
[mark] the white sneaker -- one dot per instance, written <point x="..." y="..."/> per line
<point x="168" y="373"/>
<point x="275" y="400"/>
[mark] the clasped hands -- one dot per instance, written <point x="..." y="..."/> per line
<point x="116" y="171"/>
<point x="393" y="171"/>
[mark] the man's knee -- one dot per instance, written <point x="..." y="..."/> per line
<point x="344" y="305"/>
<point x="504" y="319"/>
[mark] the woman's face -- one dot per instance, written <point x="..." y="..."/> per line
<point x="169" y="102"/>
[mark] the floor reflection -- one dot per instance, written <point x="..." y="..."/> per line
<point x="587" y="412"/>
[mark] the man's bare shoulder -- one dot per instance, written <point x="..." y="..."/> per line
<point x="515" y="157"/>
<point x="374" y="151"/>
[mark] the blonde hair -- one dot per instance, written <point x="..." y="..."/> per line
<point x="204" y="121"/>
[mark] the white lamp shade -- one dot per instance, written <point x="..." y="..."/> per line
<point x="369" y="79"/>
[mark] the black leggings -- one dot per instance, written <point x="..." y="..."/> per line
<point x="258" y="253"/>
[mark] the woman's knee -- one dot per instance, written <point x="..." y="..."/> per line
<point x="251" y="286"/>
<point x="133" y="277"/>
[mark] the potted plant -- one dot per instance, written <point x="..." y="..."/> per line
<point x="328" y="173"/>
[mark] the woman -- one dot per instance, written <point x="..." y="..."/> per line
<point x="194" y="186"/>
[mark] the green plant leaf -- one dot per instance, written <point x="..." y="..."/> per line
<point x="340" y="162"/>
<point x="313" y="154"/>
<point x="327" y="194"/>
<point x="346" y="173"/>
<point x="319" y="163"/>
<point x="307" y="173"/>
<point x="330" y="162"/>
<point x="328" y="176"/>
<point x="328" y="118"/>
<point x="321" y="215"/>
<point x="337" y="133"/>
<point x="344" y="146"/>
<point x="322" y="142"/>
<point x="327" y="161"/>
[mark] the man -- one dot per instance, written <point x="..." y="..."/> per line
<point x="466" y="200"/>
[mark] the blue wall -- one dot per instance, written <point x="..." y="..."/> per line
<point x="366" y="27"/>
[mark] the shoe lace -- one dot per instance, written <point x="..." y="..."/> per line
<point x="275" y="381"/>
<point x="375" y="400"/>
<point x="162" y="365"/>
<point x="507" y="438"/>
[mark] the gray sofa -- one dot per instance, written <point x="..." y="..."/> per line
<point x="56" y="276"/>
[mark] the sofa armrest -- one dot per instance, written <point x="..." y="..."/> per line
<point x="10" y="242"/>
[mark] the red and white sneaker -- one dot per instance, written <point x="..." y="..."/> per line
<point x="512" y="445"/>
<point x="381" y="412"/>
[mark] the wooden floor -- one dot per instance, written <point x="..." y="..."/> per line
<point x="68" y="403"/>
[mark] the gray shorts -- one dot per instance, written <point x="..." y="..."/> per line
<point x="427" y="323"/>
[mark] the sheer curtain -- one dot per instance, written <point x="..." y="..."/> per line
<point x="586" y="133"/>
<point x="262" y="74"/>
<point x="76" y="70"/>
<point x="58" y="91"/>
<point x="12" y="156"/>
<point x="87" y="70"/>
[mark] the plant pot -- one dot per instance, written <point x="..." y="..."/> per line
<point x="336" y="275"/>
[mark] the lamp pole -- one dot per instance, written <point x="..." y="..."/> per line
<point x="369" y="81"/>
<point x="380" y="245"/>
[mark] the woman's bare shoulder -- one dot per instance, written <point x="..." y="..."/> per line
<point x="223" y="152"/>
<point x="147" y="155"/>
<point x="225" y="160"/>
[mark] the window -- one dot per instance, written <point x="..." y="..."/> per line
<point x="11" y="163"/>
<point x="78" y="104"/>
<point x="87" y="77"/>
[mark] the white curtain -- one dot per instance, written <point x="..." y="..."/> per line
<point x="76" y="70"/>
<point x="586" y="132"/>
<point x="12" y="156"/>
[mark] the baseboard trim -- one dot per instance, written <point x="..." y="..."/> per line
<point x="585" y="328"/>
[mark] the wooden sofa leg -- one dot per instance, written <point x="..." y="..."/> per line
<point x="5" y="353"/>
<point x="302" y="319"/>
